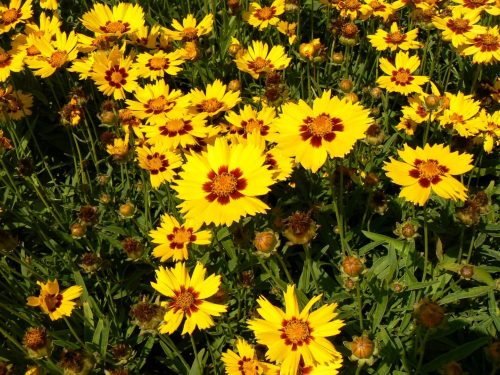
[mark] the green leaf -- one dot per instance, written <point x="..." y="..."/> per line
<point x="195" y="367"/>
<point x="398" y="244"/>
<point x="464" y="294"/>
<point x="456" y="354"/>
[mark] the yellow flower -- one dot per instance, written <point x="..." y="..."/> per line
<point x="15" y="105"/>
<point x="53" y="54"/>
<point x="484" y="46"/>
<point x="14" y="14"/>
<point x="460" y="114"/>
<point x="250" y="120"/>
<point x="330" y="128"/>
<point x="245" y="361"/>
<point x="54" y="303"/>
<point x="429" y="169"/>
<point x="394" y="39"/>
<point x="399" y="77"/>
<point x="481" y="5"/>
<point x="49" y="4"/>
<point x="214" y="100"/>
<point x="11" y="61"/>
<point x="289" y="29"/>
<point x="173" y="238"/>
<point x="221" y="185"/>
<point x="159" y="162"/>
<point x="491" y="134"/>
<point x="293" y="336"/>
<point x="260" y="60"/>
<point x="407" y="125"/>
<point x="380" y="8"/>
<point x="148" y="37"/>
<point x="122" y="19"/>
<point x="119" y="149"/>
<point x="155" y="66"/>
<point x="187" y="298"/>
<point x="263" y="16"/>
<point x="459" y="27"/>
<point x="178" y="129"/>
<point x="155" y="102"/>
<point x="190" y="30"/>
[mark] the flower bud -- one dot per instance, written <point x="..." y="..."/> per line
<point x="352" y="266"/>
<point x="346" y="85"/>
<point x="362" y="347"/>
<point x="432" y="101"/>
<point x="234" y="85"/>
<point x="376" y="92"/>
<point x="127" y="210"/>
<point x="429" y="314"/>
<point x="299" y="228"/>
<point x="337" y="58"/>
<point x="78" y="231"/>
<point x="467" y="271"/>
<point x="266" y="242"/>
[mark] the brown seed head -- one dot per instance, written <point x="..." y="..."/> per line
<point x="35" y="338"/>
<point x="429" y="314"/>
<point x="467" y="271"/>
<point x="132" y="247"/>
<point x="88" y="215"/>
<point x="299" y="228"/>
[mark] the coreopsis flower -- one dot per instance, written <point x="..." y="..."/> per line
<point x="395" y="39"/>
<point x="53" y="302"/>
<point x="53" y="54"/>
<point x="491" y="134"/>
<point x="181" y="129"/>
<point x="380" y="8"/>
<point x="259" y="60"/>
<point x="429" y="169"/>
<point x="120" y="20"/>
<point x="159" y="162"/>
<point x="187" y="297"/>
<point x="190" y="30"/>
<point x="113" y="74"/>
<point x="119" y="148"/>
<point x="245" y="361"/>
<point x="351" y="9"/>
<point x="263" y="16"/>
<point x="156" y="101"/>
<point x="37" y="342"/>
<point x="489" y="6"/>
<point x="249" y="120"/>
<point x="222" y="184"/>
<point x="293" y="336"/>
<point x="156" y="65"/>
<point x="216" y="99"/>
<point x="399" y="77"/>
<point x="484" y="46"/>
<point x="458" y="27"/>
<point x="289" y="29"/>
<point x="11" y="61"/>
<point x="5" y="143"/>
<point x="49" y="4"/>
<point x="280" y="164"/>
<point x="15" y="106"/>
<point x="407" y="125"/>
<point x="173" y="239"/>
<point x="330" y="127"/>
<point x="460" y="114"/>
<point x="13" y="14"/>
<point x="418" y="111"/>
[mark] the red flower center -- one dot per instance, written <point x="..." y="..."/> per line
<point x="428" y="171"/>
<point x="319" y="128"/>
<point x="395" y="38"/>
<point x="157" y="163"/>
<point x="265" y="13"/>
<point x="225" y="185"/>
<point x="53" y="301"/>
<point x="175" y="127"/>
<point x="115" y="27"/>
<point x="260" y="64"/>
<point x="487" y="42"/>
<point x="158" y="105"/>
<point x="185" y="300"/>
<point x="5" y="59"/>
<point x="296" y="332"/>
<point x="459" y="25"/>
<point x="181" y="236"/>
<point x="402" y="77"/>
<point x="116" y="76"/>
<point x="10" y="16"/>
<point x="158" y="63"/>
<point x="247" y="366"/>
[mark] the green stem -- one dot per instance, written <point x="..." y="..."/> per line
<point x="471" y="247"/>
<point x="74" y="333"/>
<point x="360" y="306"/>
<point x="168" y="341"/>
<point x="197" y="358"/>
<point x="422" y="352"/>
<point x="426" y="247"/>
<point x="285" y="268"/>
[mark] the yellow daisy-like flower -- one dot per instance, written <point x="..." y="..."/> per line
<point x="179" y="129"/>
<point x="15" y="106"/>
<point x="54" y="303"/>
<point x="14" y="14"/>
<point x="221" y="185"/>
<point x="490" y="6"/>
<point x="460" y="114"/>
<point x="407" y="125"/>
<point x="187" y="298"/>
<point x="491" y="134"/>
<point x="399" y="77"/>
<point x="330" y="128"/>
<point x="173" y="238"/>
<point x="101" y="42"/>
<point x="280" y="163"/>
<point x="155" y="102"/>
<point x="249" y="120"/>
<point x="245" y="361"/>
<point x="484" y="46"/>
<point x="418" y="111"/>
<point x="113" y="73"/>
<point x="147" y="37"/>
<point x="259" y="60"/>
<point x="55" y="54"/>
<point x="122" y="19"/>
<point x="352" y="9"/>
<point x="190" y="30"/>
<point x="159" y="162"/>
<point x="394" y="39"/>
<point x="459" y="27"/>
<point x="214" y="100"/>
<point x="289" y="29"/>
<point x="429" y="169"/>
<point x="380" y="8"/>
<point x="293" y="336"/>
<point x="49" y="4"/>
<point x="155" y="66"/>
<point x="11" y="61"/>
<point x="119" y="148"/>
<point x="263" y="16"/>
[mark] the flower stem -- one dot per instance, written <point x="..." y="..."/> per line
<point x="285" y="268"/>
<point x="426" y="247"/>
<point x="196" y="357"/>
<point x="360" y="306"/>
<point x="73" y="332"/>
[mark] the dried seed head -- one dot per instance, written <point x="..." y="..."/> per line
<point x="300" y="228"/>
<point x="378" y="202"/>
<point x="349" y="30"/>
<point x="375" y="135"/>
<point x="352" y="266"/>
<point x="107" y="138"/>
<point x="467" y="271"/>
<point x="133" y="248"/>
<point x="88" y="215"/>
<point x="90" y="262"/>
<point x="247" y="278"/>
<point x="25" y="167"/>
<point x="37" y="342"/>
<point x="429" y="314"/>
<point x="371" y="179"/>
<point x="147" y="315"/>
<point x="76" y="362"/>
<point x="493" y="352"/>
<point x="233" y="5"/>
